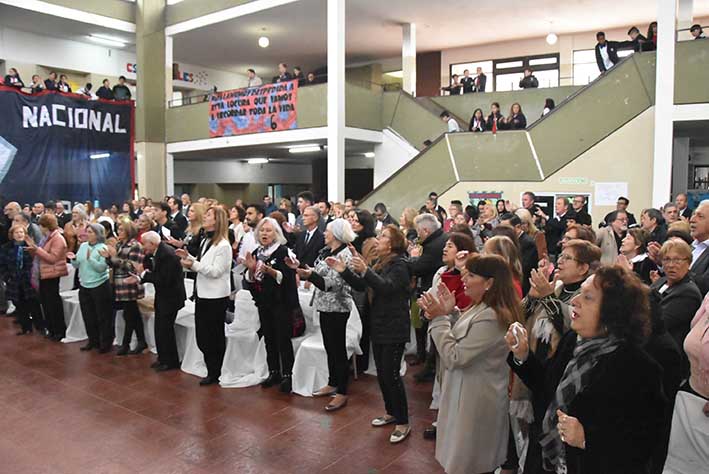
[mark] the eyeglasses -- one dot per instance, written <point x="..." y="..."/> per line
<point x="565" y="256"/>
<point x="674" y="261"/>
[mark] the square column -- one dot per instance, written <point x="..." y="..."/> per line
<point x="336" y="100"/>
<point x="664" y="101"/>
<point x="408" y="58"/>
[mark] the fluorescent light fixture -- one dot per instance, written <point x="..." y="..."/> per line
<point x="552" y="38"/>
<point x="305" y="149"/>
<point x="264" y="41"/>
<point x="98" y="156"/>
<point x="369" y="154"/>
<point x="107" y="41"/>
<point x="173" y="2"/>
<point x="257" y="161"/>
<point x="397" y="74"/>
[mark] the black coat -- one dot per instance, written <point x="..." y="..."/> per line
<point x="480" y="82"/>
<point x="612" y="48"/>
<point x="700" y="272"/>
<point x="622" y="410"/>
<point x="529" y="82"/>
<point x="308" y="253"/>
<point x="583" y="217"/>
<point x="516" y="122"/>
<point x="105" y="93"/>
<point x="268" y="294"/>
<point x="554" y="231"/>
<point x="165" y="273"/>
<point x="389" y="318"/>
<point x="179" y="226"/>
<point x="491" y="119"/>
<point x="679" y="303"/>
<point x="686" y="213"/>
<point x="479" y="127"/>
<point x="431" y="259"/>
<point x="530" y="259"/>
<point x="468" y="84"/>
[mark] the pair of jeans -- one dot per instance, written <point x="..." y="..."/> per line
<point x="52" y="306"/>
<point x="209" y="318"/>
<point x="97" y="311"/>
<point x="276" y="331"/>
<point x="333" y="327"/>
<point x="387" y="358"/>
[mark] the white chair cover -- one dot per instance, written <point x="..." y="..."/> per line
<point x="75" y="329"/>
<point x="148" y="326"/>
<point x="688" y="450"/>
<point x="66" y="283"/>
<point x="310" y="371"/>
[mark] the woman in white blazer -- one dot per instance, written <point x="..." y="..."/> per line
<point x="473" y="420"/>
<point x="211" y="290"/>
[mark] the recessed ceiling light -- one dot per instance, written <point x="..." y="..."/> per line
<point x="107" y="40"/>
<point x="304" y="149"/>
<point x="264" y="41"/>
<point x="257" y="161"/>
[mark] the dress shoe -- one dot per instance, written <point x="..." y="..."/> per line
<point x="209" y="381"/>
<point x="139" y="348"/>
<point x="105" y="350"/>
<point x="429" y="433"/>
<point x="122" y="350"/>
<point x="383" y="421"/>
<point x="336" y="404"/>
<point x="165" y="368"/>
<point x="274" y="377"/>
<point x="87" y="347"/>
<point x="155" y="364"/>
<point x="23" y="332"/>
<point x="286" y="384"/>
<point x="57" y="337"/>
<point x="325" y="392"/>
<point x="400" y="435"/>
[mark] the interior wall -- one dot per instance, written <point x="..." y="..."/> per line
<point x="390" y="155"/>
<point x="600" y="164"/>
<point x="565" y="46"/>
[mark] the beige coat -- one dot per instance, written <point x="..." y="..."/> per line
<point x="605" y="238"/>
<point x="473" y="420"/>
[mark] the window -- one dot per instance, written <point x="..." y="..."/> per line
<point x="472" y="67"/>
<point x="505" y="74"/>
<point x="585" y="67"/>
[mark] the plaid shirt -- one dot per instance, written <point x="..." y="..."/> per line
<point x="126" y="286"/>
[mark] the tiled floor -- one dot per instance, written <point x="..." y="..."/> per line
<point x="65" y="411"/>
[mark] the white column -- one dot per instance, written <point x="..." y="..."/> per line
<point x="664" y="101"/>
<point x="336" y="100"/>
<point x="170" y="174"/>
<point x="408" y="57"/>
<point x="168" y="69"/>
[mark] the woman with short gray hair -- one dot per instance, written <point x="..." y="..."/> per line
<point x="333" y="300"/>
<point x="95" y="296"/>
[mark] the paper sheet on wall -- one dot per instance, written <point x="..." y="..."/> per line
<point x="607" y="194"/>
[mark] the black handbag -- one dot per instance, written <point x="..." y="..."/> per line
<point x="298" y="320"/>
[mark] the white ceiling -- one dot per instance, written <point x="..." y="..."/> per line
<point x="298" y="30"/>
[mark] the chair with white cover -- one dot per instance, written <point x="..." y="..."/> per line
<point x="192" y="358"/>
<point x="245" y="358"/>
<point x="66" y="283"/>
<point x="310" y="371"/>
<point x="75" y="329"/>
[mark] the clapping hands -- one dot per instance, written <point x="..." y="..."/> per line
<point x="438" y="305"/>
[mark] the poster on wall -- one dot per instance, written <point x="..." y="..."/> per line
<point x="56" y="146"/>
<point x="607" y="194"/>
<point x="267" y="108"/>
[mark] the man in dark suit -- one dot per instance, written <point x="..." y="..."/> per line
<point x="454" y="88"/>
<point x="480" y="80"/>
<point x="186" y="204"/>
<point x="681" y="201"/>
<point x="579" y="205"/>
<point x="165" y="273"/>
<point x="699" y="225"/>
<point x="638" y="41"/>
<point x="311" y="240"/>
<point x="467" y="82"/>
<point x="179" y="221"/>
<point x="621" y="205"/>
<point x="556" y="226"/>
<point x="283" y="74"/>
<point x="527" y="248"/>
<point x="62" y="216"/>
<point x="606" y="52"/>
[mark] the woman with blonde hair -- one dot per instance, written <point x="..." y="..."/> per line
<point x="504" y="247"/>
<point x="528" y="226"/>
<point x="473" y="420"/>
<point x="406" y="223"/>
<point x="487" y="220"/>
<point x="212" y="289"/>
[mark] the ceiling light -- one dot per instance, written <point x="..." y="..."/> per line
<point x="98" y="156"/>
<point x="304" y="149"/>
<point x="173" y="2"/>
<point x="257" y="161"/>
<point x="107" y="40"/>
<point x="552" y="38"/>
<point x="264" y="41"/>
<point x="369" y="154"/>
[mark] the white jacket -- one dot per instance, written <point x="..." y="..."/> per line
<point x="213" y="271"/>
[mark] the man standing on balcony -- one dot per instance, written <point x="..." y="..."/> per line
<point x="467" y="82"/>
<point x="606" y="52"/>
<point x="480" y="80"/>
<point x="254" y="80"/>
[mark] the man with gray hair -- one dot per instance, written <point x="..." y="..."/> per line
<point x="424" y="265"/>
<point x="311" y="240"/>
<point x="164" y="271"/>
<point x="699" y="225"/>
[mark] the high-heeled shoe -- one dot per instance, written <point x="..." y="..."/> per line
<point x="139" y="348"/>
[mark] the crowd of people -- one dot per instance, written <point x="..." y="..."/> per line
<point x="119" y="91"/>
<point x="581" y="349"/>
<point x="495" y="120"/>
<point x="284" y="75"/>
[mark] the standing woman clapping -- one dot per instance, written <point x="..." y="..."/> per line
<point x="390" y="326"/>
<point x="333" y="300"/>
<point x="275" y="292"/>
<point x="212" y="288"/>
